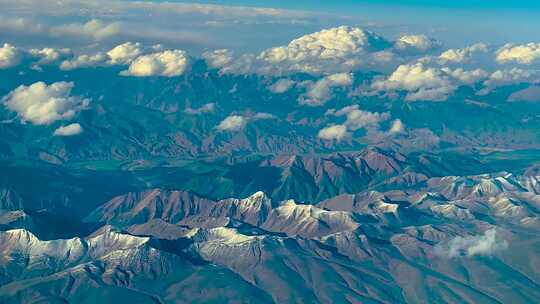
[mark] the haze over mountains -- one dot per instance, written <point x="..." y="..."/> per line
<point x="341" y="167"/>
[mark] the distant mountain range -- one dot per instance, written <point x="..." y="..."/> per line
<point x="132" y="118"/>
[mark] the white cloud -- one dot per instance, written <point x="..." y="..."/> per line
<point x="244" y="64"/>
<point x="417" y="44"/>
<point x="523" y="54"/>
<point x="218" y="58"/>
<point x="337" y="132"/>
<point x="206" y="108"/>
<point x="9" y="56"/>
<point x="321" y="91"/>
<point x="530" y="94"/>
<point x="484" y="245"/>
<point x="232" y="123"/>
<point x="119" y="55"/>
<point x="84" y="61"/>
<point x="508" y="77"/>
<point x="48" y="55"/>
<point x="43" y="104"/>
<point x="331" y="43"/>
<point x="124" y="53"/>
<point x="357" y="119"/>
<point x="432" y="94"/>
<point x="334" y="50"/>
<point x="167" y="63"/>
<point x="397" y="127"/>
<point x="462" y="55"/>
<point x="69" y="130"/>
<point x="422" y="83"/>
<point x="263" y="116"/>
<point x="466" y="77"/>
<point x="281" y="86"/>
<point x="94" y="29"/>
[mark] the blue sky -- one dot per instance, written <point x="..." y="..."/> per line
<point x="310" y="4"/>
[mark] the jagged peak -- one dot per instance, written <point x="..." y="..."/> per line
<point x="105" y="229"/>
<point x="259" y="195"/>
<point x="229" y="236"/>
<point x="303" y="212"/>
<point x="108" y="237"/>
<point x="21" y="234"/>
<point x="24" y="241"/>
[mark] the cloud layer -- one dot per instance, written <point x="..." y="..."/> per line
<point x="94" y="29"/>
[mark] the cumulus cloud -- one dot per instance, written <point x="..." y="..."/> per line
<point x="523" y="53"/>
<point x="337" y="132"/>
<point x="43" y="104"/>
<point x="232" y="123"/>
<point x="357" y="119"/>
<point x="321" y="91"/>
<point x="94" y="29"/>
<point x="333" y="50"/>
<point x="69" y="130"/>
<point x="466" y="77"/>
<point x="530" y="94"/>
<point x="206" y="108"/>
<point x="49" y="55"/>
<point x="483" y="245"/>
<point x="327" y="44"/>
<point x="83" y="61"/>
<point x="416" y="44"/>
<point x="167" y="63"/>
<point x="422" y="83"/>
<point x="124" y="53"/>
<point x="397" y="127"/>
<point x="281" y="86"/>
<point x="462" y="55"/>
<point x="218" y="58"/>
<point x="245" y="64"/>
<point x="9" y="56"/>
<point x="508" y="77"/>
